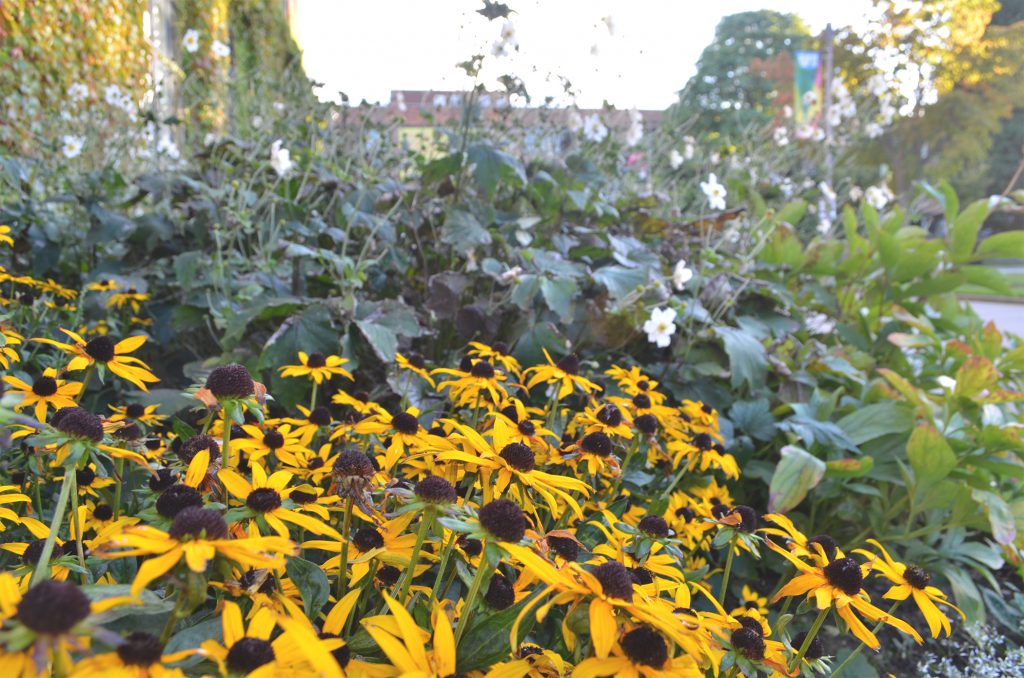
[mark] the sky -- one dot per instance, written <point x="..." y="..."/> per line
<point x="635" y="53"/>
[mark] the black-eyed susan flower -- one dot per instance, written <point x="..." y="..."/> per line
<point x="196" y="536"/>
<point x="5" y="235"/>
<point x="46" y="391"/>
<point x="249" y="651"/>
<point x="910" y="581"/>
<point x="406" y="434"/>
<point x="145" y="414"/>
<point x="130" y="298"/>
<point x="105" y="353"/>
<point x="266" y="499"/>
<point x="468" y="388"/>
<point x="405" y="643"/>
<point x="564" y="374"/>
<point x="496" y="354"/>
<point x="270" y="440"/>
<point x="417" y="364"/>
<point x="10" y="494"/>
<point x="640" y="652"/>
<point x="8" y="340"/>
<point x="103" y="285"/>
<point x="138" y="655"/>
<point x="839" y="584"/>
<point x="317" y="367"/>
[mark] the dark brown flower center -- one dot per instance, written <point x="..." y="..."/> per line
<point x="230" y="381"/>
<point x="597" y="443"/>
<point x="103" y="512"/>
<point x="609" y="415"/>
<point x="248" y="654"/>
<point x="570" y="364"/>
<point x="917" y="577"/>
<point x="53" y="607"/>
<point x="263" y="499"/>
<point x="77" y="422"/>
<point x="845" y="575"/>
<point x="504" y="520"/>
<point x="749" y="643"/>
<point x="482" y="369"/>
<point x="273" y="439"/>
<point x="435" y="490"/>
<point x="615" y="580"/>
<point x="656" y="526"/>
<point x="44" y="386"/>
<point x="519" y="457"/>
<point x="196" y="522"/>
<point x="134" y="411"/>
<point x="316" y="359"/>
<point x="646" y="647"/>
<point x="403" y="422"/>
<point x="176" y="498"/>
<point x="100" y="349"/>
<point x="140" y="649"/>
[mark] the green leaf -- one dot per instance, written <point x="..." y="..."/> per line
<point x="558" y="294"/>
<point x="930" y="455"/>
<point x="312" y="583"/>
<point x="793" y="212"/>
<point x="964" y="231"/>
<point x="988" y="277"/>
<point x="1000" y="516"/>
<point x="974" y="376"/>
<point x="463" y="231"/>
<point x="492" y="165"/>
<point x="382" y="340"/>
<point x="748" y="360"/>
<point x="874" y="421"/>
<point x="849" y="468"/>
<point x="192" y="637"/>
<point x="796" y="474"/>
<point x="753" y="418"/>
<point x="620" y="280"/>
<point x="1008" y="245"/>
<point x="486" y="641"/>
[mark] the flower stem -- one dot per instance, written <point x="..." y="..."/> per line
<point x="727" y="571"/>
<point x="43" y="564"/>
<point x="435" y="592"/>
<point x="172" y="620"/>
<point x="119" y="472"/>
<point x="675" y="481"/>
<point x="85" y="383"/>
<point x="225" y="445"/>
<point x="78" y="528"/>
<point x="474" y="589"/>
<point x="810" y="637"/>
<point x="839" y="669"/>
<point x="312" y="398"/>
<point x="346" y="528"/>
<point x="409" y="574"/>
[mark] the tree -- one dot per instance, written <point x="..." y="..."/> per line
<point x="744" y="76"/>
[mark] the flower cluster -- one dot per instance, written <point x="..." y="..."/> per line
<point x="549" y="520"/>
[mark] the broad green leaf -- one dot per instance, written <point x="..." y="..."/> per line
<point x="964" y="231"/>
<point x="558" y="294"/>
<point x="753" y="418"/>
<point x="796" y="474"/>
<point x="793" y="212"/>
<point x="463" y="231"/>
<point x="492" y="166"/>
<point x="974" y="376"/>
<point x="312" y="583"/>
<point x="486" y="641"/>
<point x="1007" y="245"/>
<point x="382" y="340"/>
<point x="988" y="277"/>
<point x="930" y="455"/>
<point x="849" y="468"/>
<point x="877" y="420"/>
<point x="748" y="360"/>
<point x="620" y="280"/>
<point x="1000" y="516"/>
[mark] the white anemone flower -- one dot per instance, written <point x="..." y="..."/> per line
<point x="280" y="158"/>
<point x="661" y="326"/>
<point x="681" y="275"/>
<point x="191" y="41"/>
<point x="71" y="145"/>
<point x="219" y="49"/>
<point x="594" y="129"/>
<point x="714" y="191"/>
<point x="675" y="159"/>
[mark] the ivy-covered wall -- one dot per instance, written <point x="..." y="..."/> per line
<point x="46" y="47"/>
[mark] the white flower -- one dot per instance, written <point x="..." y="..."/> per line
<point x="675" y="159"/>
<point x="818" y="134"/>
<point x="873" y="130"/>
<point x="781" y="136"/>
<point x="575" y="122"/>
<point x="819" y="323"/>
<point x="280" y="159"/>
<point x="279" y="105"/>
<point x="948" y="383"/>
<point x="714" y="191"/>
<point x="824" y="226"/>
<point x="112" y="95"/>
<point x="512" y="275"/>
<point x="787" y="111"/>
<point x="636" y="128"/>
<point x="166" y="146"/>
<point x="594" y="129"/>
<point x="219" y="49"/>
<point x="689" y="147"/>
<point x="681" y="274"/>
<point x="77" y="91"/>
<point x="827" y="191"/>
<point x="661" y="326"/>
<point x="257" y="121"/>
<point x="191" y="41"/>
<point x="878" y="196"/>
<point x="71" y="145"/>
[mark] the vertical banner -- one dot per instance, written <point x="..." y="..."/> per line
<point x="808" y="88"/>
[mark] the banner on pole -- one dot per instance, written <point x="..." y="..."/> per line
<point x="808" y="88"/>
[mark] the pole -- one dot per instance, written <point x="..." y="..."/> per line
<point x="830" y="199"/>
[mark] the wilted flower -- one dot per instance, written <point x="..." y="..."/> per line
<point x="71" y="145"/>
<point x="661" y="326"/>
<point x="681" y="274"/>
<point x="280" y="159"/>
<point x="714" y="191"/>
<point x="191" y="41"/>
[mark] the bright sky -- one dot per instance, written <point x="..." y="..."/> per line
<point x="636" y="53"/>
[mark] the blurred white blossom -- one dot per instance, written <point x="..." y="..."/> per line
<point x="714" y="191"/>
<point x="681" y="274"/>
<point x="77" y="91"/>
<point x="219" y="49"/>
<point x="191" y="41"/>
<point x="594" y="129"/>
<point x="661" y="326"/>
<point x="280" y="158"/>
<point x="71" y="145"/>
<point x="780" y="136"/>
<point x="675" y="159"/>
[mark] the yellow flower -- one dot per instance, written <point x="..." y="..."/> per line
<point x="468" y="387"/>
<point x="46" y="391"/>
<point x="265" y="497"/>
<point x="139" y="655"/>
<point x="105" y="285"/>
<point x="416" y="364"/>
<point x="8" y="339"/>
<point x="496" y="354"/>
<point x="250" y="652"/>
<point x="197" y="536"/>
<point x="129" y="298"/>
<point x="840" y="584"/>
<point x="103" y="351"/>
<point x="564" y="373"/>
<point x="404" y="642"/>
<point x="641" y="652"/>
<point x="318" y="367"/>
<point x="911" y="581"/>
<point x="751" y="600"/>
<point x="5" y="235"/>
<point x="145" y="414"/>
